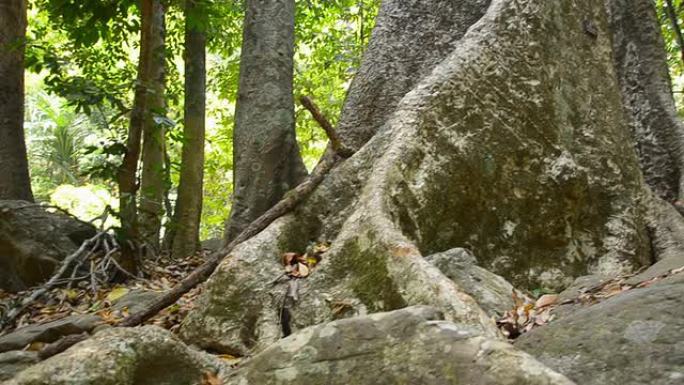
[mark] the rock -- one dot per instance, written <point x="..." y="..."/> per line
<point x="580" y="284"/>
<point x="634" y="338"/>
<point x="48" y="332"/>
<point x="14" y="362"/>
<point x="212" y="244"/>
<point x="33" y="241"/>
<point x="115" y="356"/>
<point x="409" y="346"/>
<point x="660" y="268"/>
<point x="492" y="292"/>
<point x="135" y="300"/>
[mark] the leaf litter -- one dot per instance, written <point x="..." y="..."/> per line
<point x="528" y="314"/>
<point x="60" y="302"/>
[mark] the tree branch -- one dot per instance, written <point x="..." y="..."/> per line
<point x="335" y="140"/>
<point x="289" y="202"/>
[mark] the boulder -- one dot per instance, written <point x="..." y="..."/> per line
<point x="634" y="338"/>
<point x="136" y="300"/>
<point x="14" y="362"/>
<point x="408" y="346"/>
<point x="48" y="332"/>
<point x="492" y="292"/>
<point x="116" y="356"/>
<point x="33" y="241"/>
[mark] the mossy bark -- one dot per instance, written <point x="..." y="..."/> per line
<point x="515" y="146"/>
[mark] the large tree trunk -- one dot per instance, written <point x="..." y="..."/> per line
<point x="514" y="145"/>
<point x="14" y="174"/>
<point x="266" y="157"/>
<point x="188" y="211"/>
<point x="153" y="180"/>
<point x="644" y="77"/>
<point x="410" y="39"/>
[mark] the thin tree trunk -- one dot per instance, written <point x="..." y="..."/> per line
<point x="152" y="185"/>
<point x="672" y="15"/>
<point x="127" y="177"/>
<point x="189" y="204"/>
<point x="266" y="156"/>
<point x="15" y="182"/>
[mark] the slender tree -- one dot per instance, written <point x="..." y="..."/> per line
<point x="266" y="156"/>
<point x="153" y="180"/>
<point x="127" y="178"/>
<point x="188" y="210"/>
<point x="14" y="175"/>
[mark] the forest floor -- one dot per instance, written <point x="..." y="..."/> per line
<point x="161" y="275"/>
<point x="530" y="310"/>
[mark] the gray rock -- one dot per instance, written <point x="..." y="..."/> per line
<point x="660" y="268"/>
<point x="634" y="338"/>
<point x="212" y="244"/>
<point x="14" y="362"/>
<point x="33" y="241"/>
<point x="116" y="356"/>
<point x="492" y="292"/>
<point x="408" y="346"/>
<point x="48" y="332"/>
<point x="136" y="300"/>
<point x="579" y="286"/>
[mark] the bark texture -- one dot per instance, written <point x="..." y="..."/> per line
<point x="641" y="65"/>
<point x="512" y="147"/>
<point x="14" y="174"/>
<point x="153" y="180"/>
<point x="410" y="38"/>
<point x="189" y="204"/>
<point x="128" y="172"/>
<point x="266" y="157"/>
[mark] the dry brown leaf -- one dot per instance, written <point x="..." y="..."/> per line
<point x="209" y="378"/>
<point x="303" y="270"/>
<point x="289" y="258"/>
<point x="546" y="300"/>
<point x="35" y="346"/>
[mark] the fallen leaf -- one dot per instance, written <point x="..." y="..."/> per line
<point x="209" y="378"/>
<point x="288" y="258"/>
<point x="117" y="293"/>
<point x="303" y="270"/>
<point x="546" y="300"/>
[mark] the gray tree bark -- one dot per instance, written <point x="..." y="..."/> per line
<point x="641" y="65"/>
<point x="410" y="38"/>
<point x="15" y="182"/>
<point x="153" y="180"/>
<point x="266" y="156"/>
<point x="515" y="146"/>
<point x="188" y="210"/>
<point x="128" y="172"/>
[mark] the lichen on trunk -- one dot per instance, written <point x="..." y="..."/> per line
<point x="514" y="146"/>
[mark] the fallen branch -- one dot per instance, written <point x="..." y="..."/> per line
<point x="289" y="202"/>
<point x="202" y="273"/>
<point x="54" y="280"/>
<point x="335" y="140"/>
<point x="61" y="345"/>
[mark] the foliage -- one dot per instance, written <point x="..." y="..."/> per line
<point x="85" y="54"/>
<point x="674" y="51"/>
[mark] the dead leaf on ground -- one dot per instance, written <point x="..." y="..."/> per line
<point x="546" y="300"/>
<point x="209" y="378"/>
